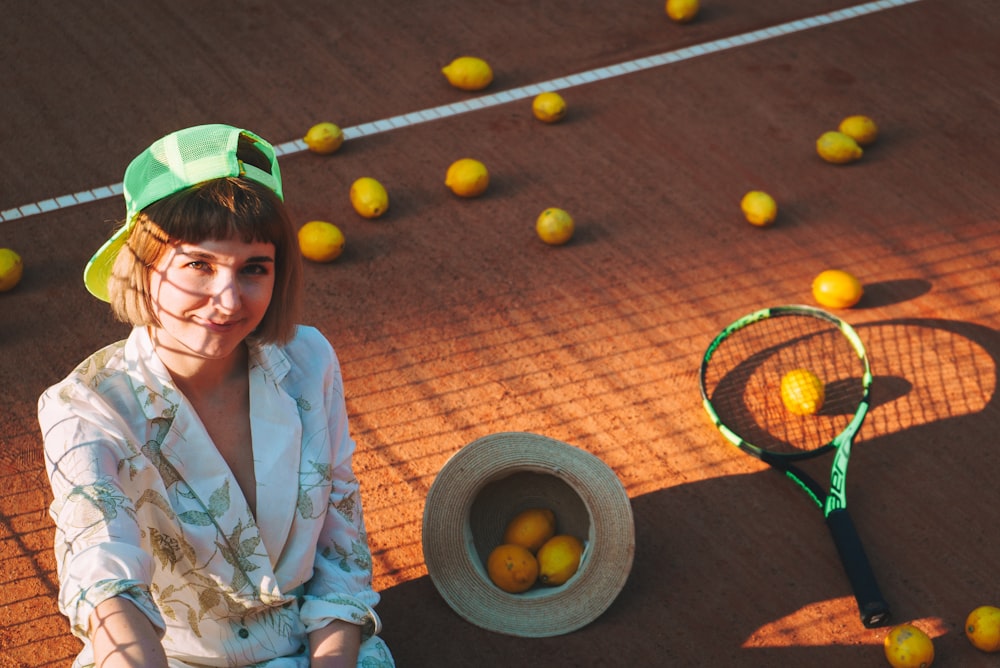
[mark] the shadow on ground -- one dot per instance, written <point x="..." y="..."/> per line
<point x="718" y="560"/>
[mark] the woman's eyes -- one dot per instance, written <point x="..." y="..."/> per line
<point x="253" y="269"/>
<point x="256" y="269"/>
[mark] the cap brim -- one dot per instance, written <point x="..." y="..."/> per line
<point x="97" y="273"/>
<point x="486" y="483"/>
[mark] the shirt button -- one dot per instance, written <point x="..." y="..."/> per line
<point x="243" y="633"/>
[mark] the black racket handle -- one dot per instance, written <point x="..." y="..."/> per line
<point x="873" y="608"/>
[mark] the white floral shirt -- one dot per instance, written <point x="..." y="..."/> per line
<point x="145" y="507"/>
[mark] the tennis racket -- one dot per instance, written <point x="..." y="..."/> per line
<point x="824" y="399"/>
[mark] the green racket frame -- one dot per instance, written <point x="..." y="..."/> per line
<point x="872" y="606"/>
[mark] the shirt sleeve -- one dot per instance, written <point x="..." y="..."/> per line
<point x="340" y="587"/>
<point x="97" y="543"/>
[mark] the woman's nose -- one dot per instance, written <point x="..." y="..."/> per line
<point x="227" y="291"/>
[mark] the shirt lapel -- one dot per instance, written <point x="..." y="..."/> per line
<point x="184" y="452"/>
<point x="277" y="435"/>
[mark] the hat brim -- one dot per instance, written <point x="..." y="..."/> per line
<point x="97" y="273"/>
<point x="482" y="486"/>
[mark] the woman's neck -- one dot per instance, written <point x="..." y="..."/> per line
<point x="197" y="376"/>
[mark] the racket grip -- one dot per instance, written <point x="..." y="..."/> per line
<point x="873" y="608"/>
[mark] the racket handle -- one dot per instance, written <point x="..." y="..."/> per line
<point x="873" y="608"/>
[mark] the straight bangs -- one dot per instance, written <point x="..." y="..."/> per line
<point x="223" y="209"/>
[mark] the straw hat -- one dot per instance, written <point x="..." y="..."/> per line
<point x="482" y="487"/>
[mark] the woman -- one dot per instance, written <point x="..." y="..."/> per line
<point x="205" y="505"/>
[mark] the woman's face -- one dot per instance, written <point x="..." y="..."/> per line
<point x="208" y="297"/>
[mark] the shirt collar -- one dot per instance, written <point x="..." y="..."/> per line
<point x="270" y="358"/>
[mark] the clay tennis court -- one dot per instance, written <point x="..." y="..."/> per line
<point x="453" y="321"/>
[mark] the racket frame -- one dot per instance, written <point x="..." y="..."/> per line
<point x="832" y="502"/>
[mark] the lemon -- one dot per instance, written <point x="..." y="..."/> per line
<point x="906" y="646"/>
<point x="467" y="177"/>
<point x="548" y="107"/>
<point x="559" y="559"/>
<point x="369" y="198"/>
<point x="982" y="628"/>
<point x="512" y="568"/>
<point x="835" y="288"/>
<point x="682" y="11"/>
<point x="859" y="128"/>
<point x="530" y="528"/>
<point x="802" y="392"/>
<point x="554" y="226"/>
<point x="759" y="208"/>
<point x="11" y="269"/>
<point x="838" y="148"/>
<point x="324" y="138"/>
<point x="468" y="73"/>
<point x="320" y="241"/>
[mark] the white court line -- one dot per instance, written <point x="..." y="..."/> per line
<point x="503" y="97"/>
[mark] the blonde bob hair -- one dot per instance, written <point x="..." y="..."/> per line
<point x="220" y="209"/>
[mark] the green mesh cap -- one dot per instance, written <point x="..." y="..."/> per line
<point x="178" y="161"/>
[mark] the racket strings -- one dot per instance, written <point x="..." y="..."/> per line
<point x="743" y="380"/>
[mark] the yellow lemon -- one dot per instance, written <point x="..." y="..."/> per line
<point x="838" y="148"/>
<point x="802" y="392"/>
<point x="467" y="177"/>
<point x="468" y="73"/>
<point x="906" y="646"/>
<point x="512" y="568"/>
<point x="11" y="269"/>
<point x="548" y="107"/>
<point x="369" y="198"/>
<point x="859" y="128"/>
<point x="759" y="208"/>
<point x="554" y="226"/>
<point x="682" y="11"/>
<point x="530" y="528"/>
<point x="324" y="138"/>
<point x="835" y="288"/>
<point x="559" y="559"/>
<point x="320" y="241"/>
<point x="982" y="628"/>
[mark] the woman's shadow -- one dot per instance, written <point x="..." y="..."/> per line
<point x="719" y="560"/>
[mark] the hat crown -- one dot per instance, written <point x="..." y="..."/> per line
<point x="191" y="156"/>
